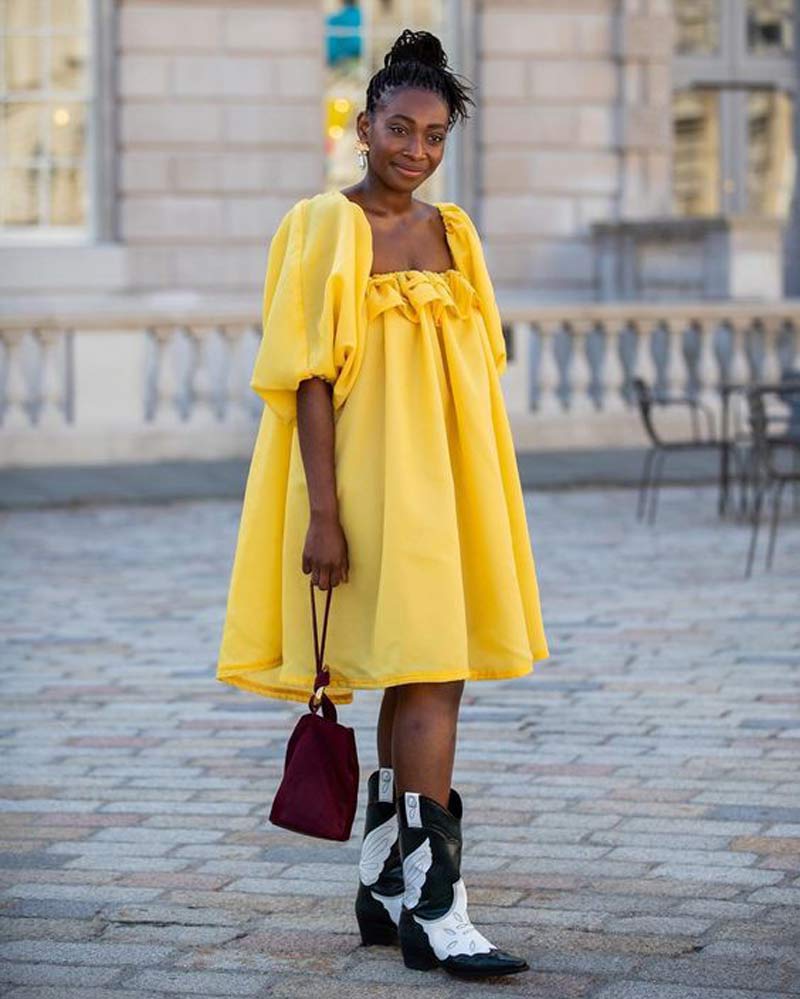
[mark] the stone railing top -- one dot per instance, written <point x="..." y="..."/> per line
<point x="694" y="226"/>
<point x="188" y="309"/>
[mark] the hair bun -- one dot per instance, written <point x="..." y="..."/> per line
<point x="417" y="46"/>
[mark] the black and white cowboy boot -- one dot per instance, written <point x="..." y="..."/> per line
<point x="435" y="929"/>
<point x="380" y="870"/>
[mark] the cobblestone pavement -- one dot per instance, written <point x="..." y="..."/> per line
<point x="632" y="815"/>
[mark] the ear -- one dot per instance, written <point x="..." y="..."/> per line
<point x="362" y="125"/>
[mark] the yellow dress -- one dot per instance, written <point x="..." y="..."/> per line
<point x="442" y="584"/>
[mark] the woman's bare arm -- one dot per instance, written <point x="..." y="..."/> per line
<point x="325" y="550"/>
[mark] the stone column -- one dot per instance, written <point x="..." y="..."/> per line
<point x="643" y="44"/>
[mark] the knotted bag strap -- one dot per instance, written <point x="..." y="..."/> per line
<point x="323" y="677"/>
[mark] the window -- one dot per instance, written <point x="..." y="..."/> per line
<point x="696" y="26"/>
<point x="45" y="104"/>
<point x="770" y="159"/>
<point x="733" y="107"/>
<point x="358" y="35"/>
<point x="770" y="26"/>
<point x="695" y="114"/>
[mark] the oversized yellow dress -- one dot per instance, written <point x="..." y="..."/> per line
<point x="442" y="584"/>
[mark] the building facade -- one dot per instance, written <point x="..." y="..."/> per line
<point x="154" y="145"/>
<point x="621" y="152"/>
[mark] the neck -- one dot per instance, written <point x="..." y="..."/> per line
<point x="383" y="198"/>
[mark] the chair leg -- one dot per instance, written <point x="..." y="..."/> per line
<point x="644" y="483"/>
<point x="657" y="472"/>
<point x="758" y="498"/>
<point x="776" y="507"/>
<point x="745" y="467"/>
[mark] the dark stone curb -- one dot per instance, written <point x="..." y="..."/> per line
<point x="164" y="482"/>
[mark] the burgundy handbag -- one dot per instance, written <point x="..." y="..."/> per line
<point x="319" y="789"/>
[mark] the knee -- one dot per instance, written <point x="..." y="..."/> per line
<point x="435" y="698"/>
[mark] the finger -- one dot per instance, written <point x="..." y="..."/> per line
<point x="324" y="578"/>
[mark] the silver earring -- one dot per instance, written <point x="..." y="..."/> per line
<point x="362" y="149"/>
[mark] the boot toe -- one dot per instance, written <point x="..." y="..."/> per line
<point x="495" y="962"/>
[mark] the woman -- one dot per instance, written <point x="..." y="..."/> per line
<point x="385" y="438"/>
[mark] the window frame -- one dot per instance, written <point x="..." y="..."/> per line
<point x="734" y="71"/>
<point x="100" y="224"/>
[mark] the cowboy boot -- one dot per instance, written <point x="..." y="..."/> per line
<point x="435" y="930"/>
<point x="380" y="888"/>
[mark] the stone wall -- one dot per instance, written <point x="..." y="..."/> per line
<point x="220" y="118"/>
<point x="574" y="130"/>
<point x="212" y="122"/>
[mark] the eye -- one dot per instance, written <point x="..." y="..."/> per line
<point x="394" y="127"/>
<point x="439" y="138"/>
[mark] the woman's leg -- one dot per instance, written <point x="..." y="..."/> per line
<point x="423" y="743"/>
<point x="434" y="925"/>
<point x="385" y="722"/>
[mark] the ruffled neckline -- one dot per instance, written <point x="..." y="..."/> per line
<point x="413" y="270"/>
<point x="411" y="291"/>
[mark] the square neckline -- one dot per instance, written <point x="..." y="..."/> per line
<point x="409" y="270"/>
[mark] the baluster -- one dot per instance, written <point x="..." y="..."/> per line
<point x="675" y="373"/>
<point x="722" y="340"/>
<point x="547" y="370"/>
<point x="580" y="372"/>
<point x="562" y="354"/>
<point x="708" y="367"/>
<point x="753" y="344"/>
<point x="515" y="381"/>
<point x="787" y="343"/>
<point x="738" y="369"/>
<point x="253" y="403"/>
<point x="613" y="372"/>
<point x="16" y="414"/>
<point x="771" y="366"/>
<point x="52" y="397"/>
<point x="596" y="343"/>
<point x="165" y="410"/>
<point x="646" y="366"/>
<point x="201" y="401"/>
<point x="235" y="402"/>
<point x="628" y="345"/>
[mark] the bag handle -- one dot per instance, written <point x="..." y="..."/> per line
<point x="323" y="676"/>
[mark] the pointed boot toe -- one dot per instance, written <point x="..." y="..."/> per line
<point x="495" y="963"/>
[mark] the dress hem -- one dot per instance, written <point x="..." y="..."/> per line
<point x="344" y="694"/>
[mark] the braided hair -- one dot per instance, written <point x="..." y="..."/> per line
<point x="417" y="59"/>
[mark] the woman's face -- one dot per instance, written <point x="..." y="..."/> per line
<point x="406" y="137"/>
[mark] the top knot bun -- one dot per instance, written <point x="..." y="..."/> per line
<point x="417" y="46"/>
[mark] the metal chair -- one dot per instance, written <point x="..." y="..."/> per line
<point x="765" y="469"/>
<point x="654" y="459"/>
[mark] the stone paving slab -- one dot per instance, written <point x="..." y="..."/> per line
<point x="632" y="818"/>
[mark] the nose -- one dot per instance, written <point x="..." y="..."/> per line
<point x="415" y="150"/>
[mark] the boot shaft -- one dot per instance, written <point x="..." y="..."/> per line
<point x="430" y="848"/>
<point x="380" y="851"/>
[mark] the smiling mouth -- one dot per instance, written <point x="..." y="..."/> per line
<point x="408" y="170"/>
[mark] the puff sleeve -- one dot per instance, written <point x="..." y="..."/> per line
<point x="314" y="305"/>
<point x="470" y="259"/>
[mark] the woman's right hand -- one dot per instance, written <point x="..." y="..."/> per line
<point x="325" y="551"/>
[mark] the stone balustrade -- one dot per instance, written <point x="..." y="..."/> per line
<point x="139" y="384"/>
